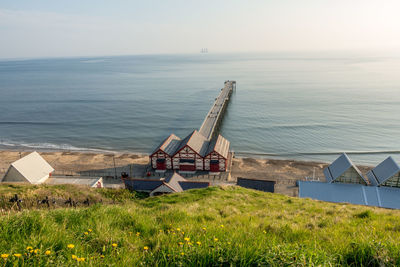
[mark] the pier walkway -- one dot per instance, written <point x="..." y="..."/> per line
<point x="216" y="113"/>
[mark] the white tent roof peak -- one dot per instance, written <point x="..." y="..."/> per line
<point x="33" y="168"/>
<point x="339" y="167"/>
<point x="384" y="171"/>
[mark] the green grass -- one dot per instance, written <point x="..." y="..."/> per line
<point x="215" y="226"/>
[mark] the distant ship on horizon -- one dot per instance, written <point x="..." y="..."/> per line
<point x="204" y="50"/>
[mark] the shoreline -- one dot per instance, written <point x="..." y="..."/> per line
<point x="285" y="172"/>
<point x="239" y="155"/>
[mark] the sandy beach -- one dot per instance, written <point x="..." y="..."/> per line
<point x="284" y="172"/>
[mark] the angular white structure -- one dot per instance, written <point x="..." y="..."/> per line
<point x="387" y="173"/>
<point x="342" y="170"/>
<point x="31" y="169"/>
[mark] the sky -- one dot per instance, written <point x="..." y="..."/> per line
<point x="71" y="28"/>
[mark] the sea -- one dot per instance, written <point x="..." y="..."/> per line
<point x="303" y="106"/>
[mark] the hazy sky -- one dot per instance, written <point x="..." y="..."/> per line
<point x="49" y="28"/>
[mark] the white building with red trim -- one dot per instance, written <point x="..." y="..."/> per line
<point x="191" y="154"/>
<point x="161" y="158"/>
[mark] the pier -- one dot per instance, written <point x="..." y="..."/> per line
<point x="214" y="117"/>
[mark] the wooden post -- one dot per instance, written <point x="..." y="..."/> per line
<point x="115" y="169"/>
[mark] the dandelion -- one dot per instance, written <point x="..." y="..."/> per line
<point x="70" y="246"/>
<point x="264" y="232"/>
<point x="114" y="245"/>
<point x="180" y="244"/>
<point x="182" y="253"/>
<point x="146" y="248"/>
<point x="29" y="248"/>
<point x="74" y="257"/>
<point x="160" y="231"/>
<point x="183" y="232"/>
<point x="198" y="243"/>
<point x="17" y="255"/>
<point x="80" y="259"/>
<point x="137" y="234"/>
<point x="86" y="233"/>
<point x="204" y="229"/>
<point x="48" y="252"/>
<point x="36" y="251"/>
<point x="216" y="239"/>
<point x="90" y="230"/>
<point x="187" y="239"/>
<point x="178" y="229"/>
<point x="4" y="256"/>
<point x="222" y="226"/>
<point x="101" y="256"/>
<point x="190" y="243"/>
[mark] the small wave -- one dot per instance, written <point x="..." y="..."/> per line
<point x="48" y="146"/>
<point x="93" y="61"/>
<point x="28" y="123"/>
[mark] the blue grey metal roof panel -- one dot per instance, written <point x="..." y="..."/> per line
<point x="142" y="184"/>
<point x="350" y="193"/>
<point x="186" y="185"/>
<point x="380" y="196"/>
<point x="385" y="170"/>
<point x="261" y="185"/>
<point x="340" y="166"/>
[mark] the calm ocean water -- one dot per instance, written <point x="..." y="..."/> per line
<point x="298" y="106"/>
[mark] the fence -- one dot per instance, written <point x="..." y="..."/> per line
<point x="15" y="203"/>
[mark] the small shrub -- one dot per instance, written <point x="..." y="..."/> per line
<point x="364" y="215"/>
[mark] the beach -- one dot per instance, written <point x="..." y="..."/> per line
<point x="284" y="172"/>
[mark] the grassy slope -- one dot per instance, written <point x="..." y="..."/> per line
<point x="241" y="226"/>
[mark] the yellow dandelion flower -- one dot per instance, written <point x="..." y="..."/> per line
<point x="101" y="256"/>
<point x="36" y="251"/>
<point x="4" y="256"/>
<point x="204" y="229"/>
<point x="114" y="245"/>
<point x="215" y="239"/>
<point x="90" y="230"/>
<point x="48" y="252"/>
<point x="29" y="248"/>
<point x="17" y="255"/>
<point x="187" y="239"/>
<point x="229" y="243"/>
<point x="264" y="232"/>
<point x="137" y="234"/>
<point x="180" y="243"/>
<point x="86" y="233"/>
<point x="198" y="243"/>
<point x="70" y="246"/>
<point x="160" y="231"/>
<point x="190" y="243"/>
<point x="222" y="226"/>
<point x="182" y="253"/>
<point x="31" y="251"/>
<point x="146" y="248"/>
<point x="183" y="232"/>
<point x="80" y="259"/>
<point x="178" y="229"/>
<point x="74" y="257"/>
